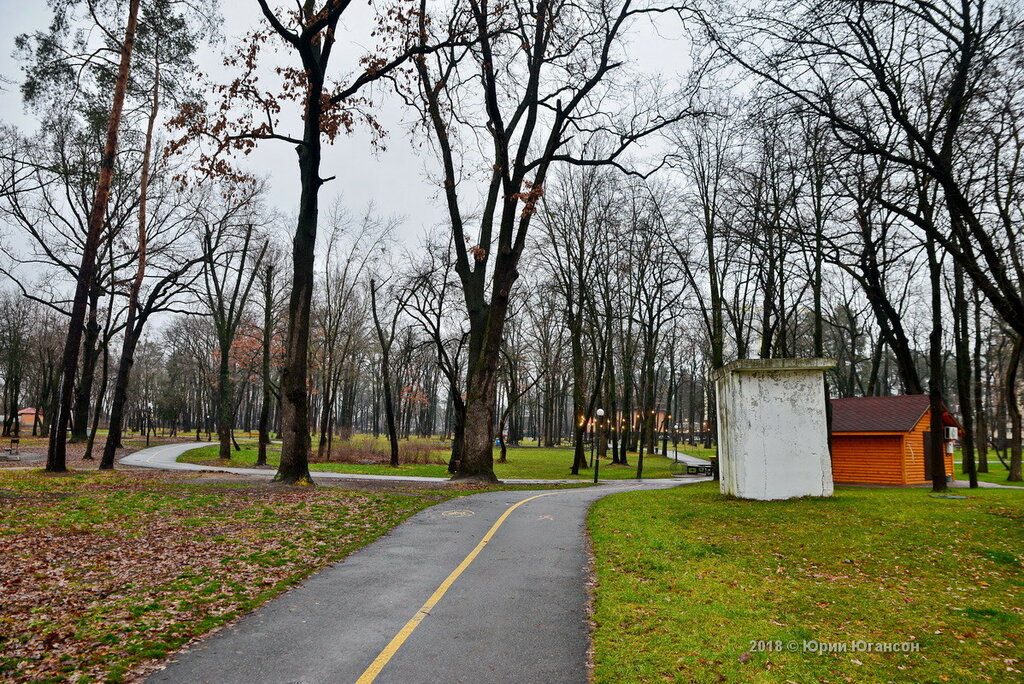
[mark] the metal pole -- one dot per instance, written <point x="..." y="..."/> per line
<point x="593" y="439"/>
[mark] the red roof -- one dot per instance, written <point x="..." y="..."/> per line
<point x="882" y="414"/>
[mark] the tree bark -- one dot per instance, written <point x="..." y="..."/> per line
<point x="56" y="459"/>
<point x="936" y="371"/>
<point x="268" y="334"/>
<point x="477" y="462"/>
<point x="90" y="356"/>
<point x="385" y="371"/>
<point x="580" y="416"/>
<point x="1013" y="407"/>
<point x="981" y="434"/>
<point x="225" y="402"/>
<point x="961" y="338"/>
<point x="295" y="438"/>
<point x="117" y="402"/>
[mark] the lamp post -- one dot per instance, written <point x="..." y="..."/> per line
<point x="149" y="420"/>
<point x="675" y="441"/>
<point x="597" y="432"/>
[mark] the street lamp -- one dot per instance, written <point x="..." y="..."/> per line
<point x="675" y="441"/>
<point x="149" y="420"/>
<point x="596" y="463"/>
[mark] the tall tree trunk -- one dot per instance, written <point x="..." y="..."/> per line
<point x="669" y="407"/>
<point x="295" y="437"/>
<point x="981" y="433"/>
<point x="936" y="372"/>
<point x="385" y="376"/>
<point x="135" y="321"/>
<point x="56" y="458"/>
<point x="458" y="428"/>
<point x="327" y="401"/>
<point x="225" y="403"/>
<point x="120" y="396"/>
<point x="626" y="424"/>
<point x="579" y="428"/>
<point x="104" y="379"/>
<point x="485" y="336"/>
<point x="1013" y="407"/>
<point x="90" y="357"/>
<point x="268" y="334"/>
<point x="961" y="338"/>
<point x="609" y="400"/>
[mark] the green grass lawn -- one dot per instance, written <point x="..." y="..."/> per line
<point x="523" y="463"/>
<point x="696" y="587"/>
<point x="698" y="451"/>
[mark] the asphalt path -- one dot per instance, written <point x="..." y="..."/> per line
<point x="515" y="613"/>
<point x="165" y="457"/>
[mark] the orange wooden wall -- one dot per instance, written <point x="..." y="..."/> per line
<point x="882" y="457"/>
<point x="871" y="458"/>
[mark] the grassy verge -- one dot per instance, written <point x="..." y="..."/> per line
<point x="101" y="572"/>
<point x="523" y="463"/>
<point x="692" y="586"/>
<point x="996" y="474"/>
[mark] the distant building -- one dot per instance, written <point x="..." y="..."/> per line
<point x="26" y="415"/>
<point x="25" y="418"/>
<point x="884" y="440"/>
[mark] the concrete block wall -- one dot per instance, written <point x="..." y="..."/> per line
<point x="773" y="436"/>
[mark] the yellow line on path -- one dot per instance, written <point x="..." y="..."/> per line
<point x="389" y="651"/>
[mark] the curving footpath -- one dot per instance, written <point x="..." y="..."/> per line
<point x="166" y="458"/>
<point x="435" y="600"/>
<point x="484" y="588"/>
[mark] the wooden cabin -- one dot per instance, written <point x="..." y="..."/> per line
<point x="883" y="440"/>
<point x="27" y="415"/>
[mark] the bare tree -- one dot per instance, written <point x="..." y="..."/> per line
<point x="903" y="81"/>
<point x="540" y="74"/>
<point x="233" y="255"/>
<point x="386" y="338"/>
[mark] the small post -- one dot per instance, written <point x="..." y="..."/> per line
<point x="675" y="442"/>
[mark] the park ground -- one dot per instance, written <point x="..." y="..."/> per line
<point x="420" y="457"/>
<point x="695" y="586"/>
<point x="104" y="574"/>
<point x="428" y="458"/>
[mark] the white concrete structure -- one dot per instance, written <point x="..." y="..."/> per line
<point x="773" y="437"/>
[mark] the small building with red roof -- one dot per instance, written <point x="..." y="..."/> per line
<point x="27" y="415"/>
<point x="884" y="440"/>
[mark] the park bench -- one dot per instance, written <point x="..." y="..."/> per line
<point x="11" y="451"/>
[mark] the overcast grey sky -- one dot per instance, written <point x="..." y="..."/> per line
<point x="397" y="180"/>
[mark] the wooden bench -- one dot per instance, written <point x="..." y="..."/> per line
<point x="12" y="450"/>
